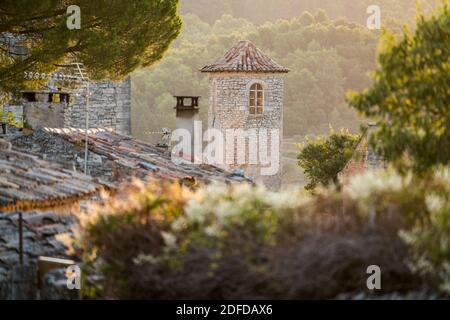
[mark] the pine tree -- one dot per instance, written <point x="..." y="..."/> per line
<point x="115" y="37"/>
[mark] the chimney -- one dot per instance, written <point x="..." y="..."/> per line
<point x="45" y="108"/>
<point x="186" y="115"/>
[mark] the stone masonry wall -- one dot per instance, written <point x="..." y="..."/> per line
<point x="109" y="107"/>
<point x="229" y="108"/>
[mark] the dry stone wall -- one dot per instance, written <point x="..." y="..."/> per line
<point x="109" y="107"/>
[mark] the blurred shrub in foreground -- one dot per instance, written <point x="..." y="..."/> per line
<point x="233" y="242"/>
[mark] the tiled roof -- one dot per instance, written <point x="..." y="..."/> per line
<point x="245" y="57"/>
<point x="142" y="159"/>
<point x="28" y="182"/>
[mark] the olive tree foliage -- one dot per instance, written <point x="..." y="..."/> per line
<point x="323" y="157"/>
<point x="410" y="95"/>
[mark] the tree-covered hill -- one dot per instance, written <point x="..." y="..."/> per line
<point x="260" y="11"/>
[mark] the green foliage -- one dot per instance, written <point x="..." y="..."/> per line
<point x="323" y="158"/>
<point x="326" y="57"/>
<point x="430" y="239"/>
<point x="115" y="38"/>
<point x="410" y="96"/>
<point x="8" y="118"/>
<point x="425" y="205"/>
<point x="241" y="241"/>
<point x="112" y="236"/>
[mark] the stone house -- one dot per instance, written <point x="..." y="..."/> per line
<point x="246" y="92"/>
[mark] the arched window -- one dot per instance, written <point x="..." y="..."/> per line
<point x="256" y="99"/>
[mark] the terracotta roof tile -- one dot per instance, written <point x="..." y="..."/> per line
<point x="245" y="57"/>
<point x="28" y="182"/>
<point x="143" y="159"/>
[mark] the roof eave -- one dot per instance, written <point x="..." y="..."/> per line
<point x="203" y="70"/>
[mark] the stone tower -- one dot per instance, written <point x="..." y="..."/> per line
<point x="246" y="92"/>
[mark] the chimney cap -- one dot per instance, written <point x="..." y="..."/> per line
<point x="181" y="96"/>
<point x="182" y="106"/>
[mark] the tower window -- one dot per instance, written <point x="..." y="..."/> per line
<point x="256" y="99"/>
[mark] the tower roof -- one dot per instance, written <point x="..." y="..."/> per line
<point x="245" y="57"/>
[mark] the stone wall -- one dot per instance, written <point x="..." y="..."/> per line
<point x="229" y="108"/>
<point x="109" y="107"/>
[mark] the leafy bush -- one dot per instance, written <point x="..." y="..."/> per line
<point x="241" y="241"/>
<point x="112" y="236"/>
<point x="8" y="117"/>
<point x="430" y="239"/>
<point x="323" y="158"/>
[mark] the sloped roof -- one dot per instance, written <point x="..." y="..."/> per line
<point x="245" y="57"/>
<point x="142" y="159"/>
<point x="28" y="182"/>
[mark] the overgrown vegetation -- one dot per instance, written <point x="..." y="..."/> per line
<point x="233" y="242"/>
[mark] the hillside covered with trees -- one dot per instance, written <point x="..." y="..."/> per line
<point x="260" y="11"/>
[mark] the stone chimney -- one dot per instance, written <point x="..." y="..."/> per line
<point x="44" y="108"/>
<point x="186" y="115"/>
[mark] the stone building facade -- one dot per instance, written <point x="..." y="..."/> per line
<point x="246" y="92"/>
<point x="109" y="107"/>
